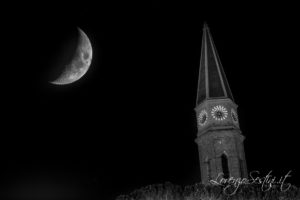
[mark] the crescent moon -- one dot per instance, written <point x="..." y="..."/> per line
<point x="80" y="63"/>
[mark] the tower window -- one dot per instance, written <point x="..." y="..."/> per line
<point x="225" y="166"/>
<point x="241" y="169"/>
<point x="208" y="169"/>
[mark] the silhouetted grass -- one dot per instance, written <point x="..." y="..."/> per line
<point x="198" y="191"/>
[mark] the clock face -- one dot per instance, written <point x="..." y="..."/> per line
<point x="234" y="116"/>
<point x="202" y="118"/>
<point x="219" y="112"/>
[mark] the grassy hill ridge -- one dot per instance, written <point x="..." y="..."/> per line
<point x="198" y="191"/>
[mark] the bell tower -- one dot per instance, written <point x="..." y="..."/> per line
<point x="219" y="139"/>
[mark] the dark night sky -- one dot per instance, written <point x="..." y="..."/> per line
<point x="129" y="121"/>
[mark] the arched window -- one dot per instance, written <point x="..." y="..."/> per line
<point x="241" y="169"/>
<point x="225" y="166"/>
<point x="208" y="168"/>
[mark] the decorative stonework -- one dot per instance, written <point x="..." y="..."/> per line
<point x="234" y="116"/>
<point x="202" y="118"/>
<point x="219" y="112"/>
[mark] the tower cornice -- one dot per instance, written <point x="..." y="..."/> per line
<point x="215" y="131"/>
<point x="213" y="100"/>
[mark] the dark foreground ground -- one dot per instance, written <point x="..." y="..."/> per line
<point x="168" y="191"/>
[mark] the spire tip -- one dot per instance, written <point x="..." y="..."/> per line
<point x="205" y="26"/>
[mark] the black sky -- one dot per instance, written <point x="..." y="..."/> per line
<point x="129" y="121"/>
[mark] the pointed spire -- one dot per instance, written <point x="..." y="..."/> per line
<point x="205" y="26"/>
<point x="212" y="81"/>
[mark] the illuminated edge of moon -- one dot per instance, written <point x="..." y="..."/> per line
<point x="83" y="47"/>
